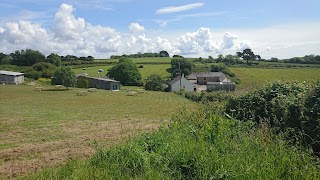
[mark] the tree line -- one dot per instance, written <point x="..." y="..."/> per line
<point x="141" y="55"/>
<point x="30" y="57"/>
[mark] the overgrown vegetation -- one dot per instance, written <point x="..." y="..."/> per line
<point x="197" y="145"/>
<point x="290" y="107"/>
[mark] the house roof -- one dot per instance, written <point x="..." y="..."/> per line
<point x="100" y="79"/>
<point x="175" y="80"/>
<point x="195" y="75"/>
<point x="10" y="73"/>
<point x="216" y="75"/>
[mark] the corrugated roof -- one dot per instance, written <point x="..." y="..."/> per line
<point x="205" y="74"/>
<point x="100" y="79"/>
<point x="10" y="73"/>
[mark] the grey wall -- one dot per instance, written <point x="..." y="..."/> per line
<point x="185" y="84"/>
<point x="11" y="79"/>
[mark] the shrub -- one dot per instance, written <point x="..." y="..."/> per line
<point x="291" y="108"/>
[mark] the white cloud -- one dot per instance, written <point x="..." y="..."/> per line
<point x="135" y="28"/>
<point x="203" y="42"/>
<point x="66" y="26"/>
<point x="174" y="9"/>
<point x="74" y="35"/>
<point x="228" y="40"/>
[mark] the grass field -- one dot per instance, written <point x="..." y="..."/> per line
<point x="254" y="77"/>
<point x="143" y="60"/>
<point x="47" y="128"/>
<point x="147" y="70"/>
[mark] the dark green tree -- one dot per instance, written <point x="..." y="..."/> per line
<point x="64" y="76"/>
<point x="46" y="69"/>
<point x="27" y="57"/>
<point x="248" y="55"/>
<point x="154" y="83"/>
<point x="126" y="72"/>
<point x="180" y="66"/>
<point x="54" y="59"/>
<point x="164" y="54"/>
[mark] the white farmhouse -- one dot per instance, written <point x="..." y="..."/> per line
<point x="179" y="83"/>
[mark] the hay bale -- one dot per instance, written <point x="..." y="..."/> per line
<point x="132" y="93"/>
<point x="38" y="88"/>
<point x="81" y="93"/>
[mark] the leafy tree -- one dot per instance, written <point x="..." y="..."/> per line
<point x="210" y="59"/>
<point x="164" y="54"/>
<point x="126" y="72"/>
<point x="46" y="69"/>
<point x="6" y="60"/>
<point x="2" y="55"/>
<point x="154" y="83"/>
<point x="27" y="57"/>
<point x="90" y="58"/>
<point x="220" y="58"/>
<point x="83" y="82"/>
<point x="54" y="59"/>
<point x="248" y="55"/>
<point x="274" y="59"/>
<point x="63" y="76"/>
<point x="180" y="66"/>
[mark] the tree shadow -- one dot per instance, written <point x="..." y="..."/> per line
<point x="169" y="70"/>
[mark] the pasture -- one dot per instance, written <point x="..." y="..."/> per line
<point x="146" y="71"/>
<point x="163" y="60"/>
<point x="255" y="77"/>
<point x="47" y="128"/>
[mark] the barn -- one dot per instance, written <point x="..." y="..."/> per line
<point x="9" y="77"/>
<point x="99" y="83"/>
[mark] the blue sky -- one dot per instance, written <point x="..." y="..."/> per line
<point x="273" y="28"/>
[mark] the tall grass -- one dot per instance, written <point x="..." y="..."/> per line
<point x="196" y="145"/>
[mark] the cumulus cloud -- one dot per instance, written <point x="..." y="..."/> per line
<point x="228" y="40"/>
<point x="202" y="41"/>
<point x="174" y="9"/>
<point x="66" y="26"/>
<point x="135" y="28"/>
<point x="73" y="35"/>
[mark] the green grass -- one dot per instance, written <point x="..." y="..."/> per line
<point x="197" y="145"/>
<point x="146" y="71"/>
<point x="255" y="77"/>
<point x="142" y="60"/>
<point x="59" y="125"/>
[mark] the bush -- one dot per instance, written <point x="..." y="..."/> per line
<point x="291" y="108"/>
<point x="154" y="83"/>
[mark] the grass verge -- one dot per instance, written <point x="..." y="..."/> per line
<point x="197" y="145"/>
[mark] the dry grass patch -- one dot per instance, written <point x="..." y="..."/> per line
<point x="48" y="128"/>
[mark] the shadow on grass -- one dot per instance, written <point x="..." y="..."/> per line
<point x="169" y="70"/>
<point x="55" y="89"/>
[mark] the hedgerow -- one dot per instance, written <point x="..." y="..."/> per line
<point x="289" y="107"/>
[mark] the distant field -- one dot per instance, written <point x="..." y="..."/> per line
<point x="41" y="129"/>
<point x="147" y="70"/>
<point x="143" y="60"/>
<point x="253" y="77"/>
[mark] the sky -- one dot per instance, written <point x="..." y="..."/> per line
<point x="101" y="28"/>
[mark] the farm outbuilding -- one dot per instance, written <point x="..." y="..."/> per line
<point x="221" y="86"/>
<point x="9" y="77"/>
<point x="100" y="83"/>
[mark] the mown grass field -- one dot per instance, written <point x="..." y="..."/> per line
<point x="146" y="71"/>
<point x="255" y="77"/>
<point x="48" y="128"/>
